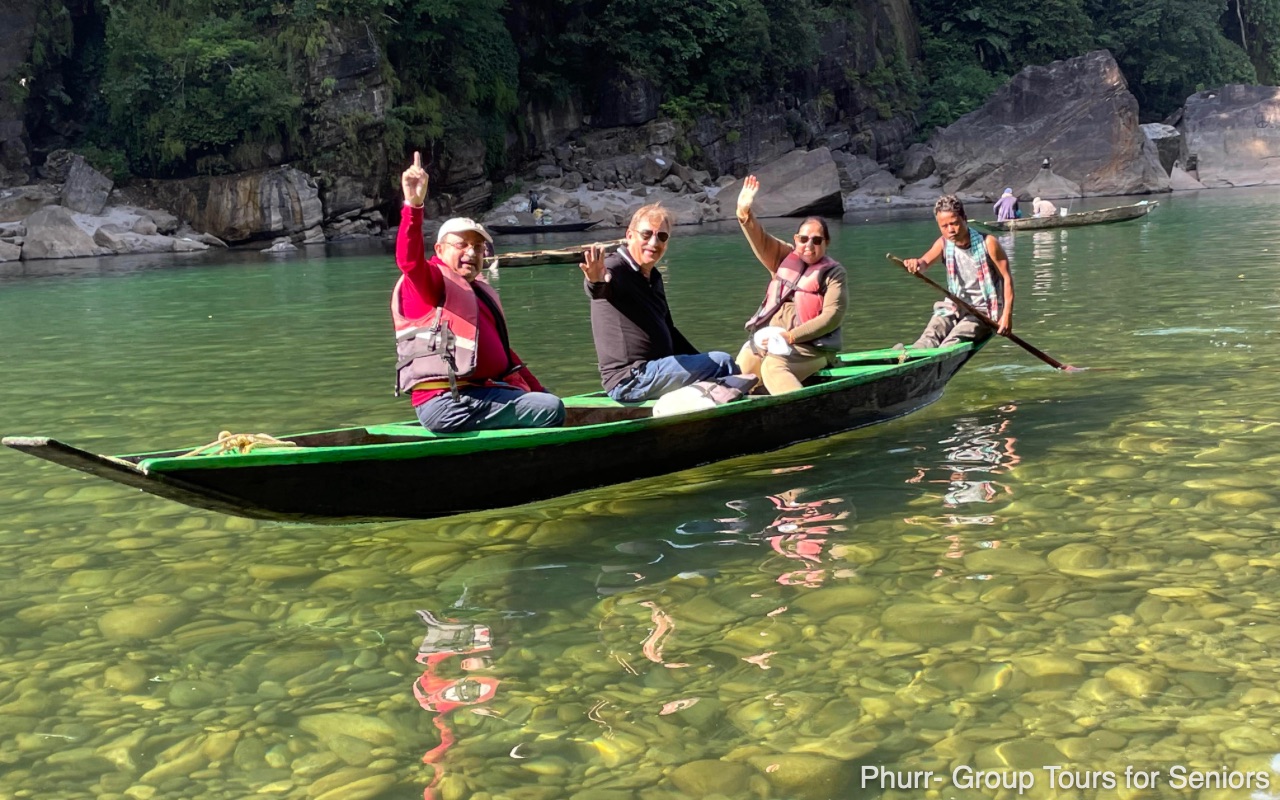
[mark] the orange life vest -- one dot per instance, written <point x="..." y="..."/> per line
<point x="441" y="344"/>
<point x="801" y="283"/>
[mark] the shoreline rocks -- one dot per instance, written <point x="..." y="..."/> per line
<point x="1223" y="138"/>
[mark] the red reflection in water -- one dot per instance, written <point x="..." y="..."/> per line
<point x="801" y="531"/>
<point x="441" y="695"/>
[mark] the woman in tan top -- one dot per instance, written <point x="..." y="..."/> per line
<point x="805" y="300"/>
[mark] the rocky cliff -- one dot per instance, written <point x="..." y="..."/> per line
<point x="18" y="20"/>
<point x="1078" y="112"/>
<point x="1234" y="135"/>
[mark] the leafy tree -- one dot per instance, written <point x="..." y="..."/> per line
<point x="1169" y="49"/>
<point x="1255" y="24"/>
<point x="179" y="88"/>
<point x="971" y="49"/>
<point x="456" y="73"/>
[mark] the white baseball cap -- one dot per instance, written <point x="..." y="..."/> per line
<point x="462" y="225"/>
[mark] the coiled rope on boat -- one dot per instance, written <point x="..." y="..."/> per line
<point x="238" y="442"/>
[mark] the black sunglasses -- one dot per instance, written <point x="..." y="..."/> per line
<point x="803" y="239"/>
<point x="647" y="235"/>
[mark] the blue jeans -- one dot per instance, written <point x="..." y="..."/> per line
<point x="488" y="408"/>
<point x="655" y="378"/>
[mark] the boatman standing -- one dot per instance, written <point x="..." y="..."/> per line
<point x="641" y="354"/>
<point x="453" y="352"/>
<point x="977" y="272"/>
<point x="1006" y="208"/>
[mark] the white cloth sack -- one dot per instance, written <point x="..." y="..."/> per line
<point x="769" y="340"/>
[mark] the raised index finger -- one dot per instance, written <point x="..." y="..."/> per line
<point x="417" y="159"/>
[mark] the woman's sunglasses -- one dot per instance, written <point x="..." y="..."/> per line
<point x="817" y="240"/>
<point x="647" y="235"/>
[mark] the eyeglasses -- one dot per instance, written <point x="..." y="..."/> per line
<point x="647" y="235"/>
<point x="817" y="240"/>
<point x="464" y="245"/>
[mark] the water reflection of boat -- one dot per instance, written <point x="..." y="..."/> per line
<point x="792" y="524"/>
<point x="378" y="471"/>
<point x="977" y="452"/>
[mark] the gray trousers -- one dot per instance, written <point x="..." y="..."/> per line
<point x="949" y="327"/>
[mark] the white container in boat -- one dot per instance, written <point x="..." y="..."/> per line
<point x="1062" y="212"/>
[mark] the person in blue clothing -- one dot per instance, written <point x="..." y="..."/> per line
<point x="1007" y="206"/>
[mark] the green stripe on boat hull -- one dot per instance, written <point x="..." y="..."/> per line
<point x="393" y="471"/>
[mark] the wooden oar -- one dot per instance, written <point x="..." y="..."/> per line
<point x="985" y="320"/>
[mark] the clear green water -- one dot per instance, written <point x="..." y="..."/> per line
<point x="1039" y="569"/>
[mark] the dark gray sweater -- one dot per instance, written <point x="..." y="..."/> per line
<point x="630" y="320"/>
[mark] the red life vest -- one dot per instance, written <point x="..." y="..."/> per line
<point x="442" y="341"/>
<point x="800" y="283"/>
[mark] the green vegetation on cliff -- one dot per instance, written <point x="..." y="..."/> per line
<point x="1168" y="49"/>
<point x="166" y="88"/>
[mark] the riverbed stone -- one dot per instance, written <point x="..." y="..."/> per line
<point x="931" y="622"/>
<point x="1134" y="681"/>
<point x="142" y="621"/>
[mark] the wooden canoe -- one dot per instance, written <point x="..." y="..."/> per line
<point x="550" y="227"/>
<point x="1096" y="217"/>
<point x="529" y="258"/>
<point x="380" y="471"/>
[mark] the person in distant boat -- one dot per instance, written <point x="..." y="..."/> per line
<point x="977" y="272"/>
<point x="641" y="353"/>
<point x="796" y="331"/>
<point x="1006" y="207"/>
<point x="453" y="352"/>
<point x="1043" y="208"/>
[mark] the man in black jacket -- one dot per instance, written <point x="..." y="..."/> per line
<point x="641" y="353"/>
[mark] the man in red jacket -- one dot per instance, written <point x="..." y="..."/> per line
<point x="453" y="352"/>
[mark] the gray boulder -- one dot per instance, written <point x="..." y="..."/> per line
<point x="248" y="205"/>
<point x="145" y="226"/>
<point x="1182" y="181"/>
<point x="917" y="164"/>
<point x="1049" y="184"/>
<point x="1234" y="132"/>
<point x="132" y="242"/>
<point x="853" y="168"/>
<point x="1168" y="143"/>
<point x="23" y="201"/>
<point x="798" y="184"/>
<point x="685" y="210"/>
<point x="56" y="166"/>
<point x="653" y="169"/>
<point x="165" y="222"/>
<point x="86" y="190"/>
<point x="10" y="252"/>
<point x="880" y="184"/>
<point x="52" y="233"/>
<point x="1079" y="112"/>
<point x="344" y="194"/>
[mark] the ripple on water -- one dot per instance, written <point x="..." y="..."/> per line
<point x="1039" y="568"/>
